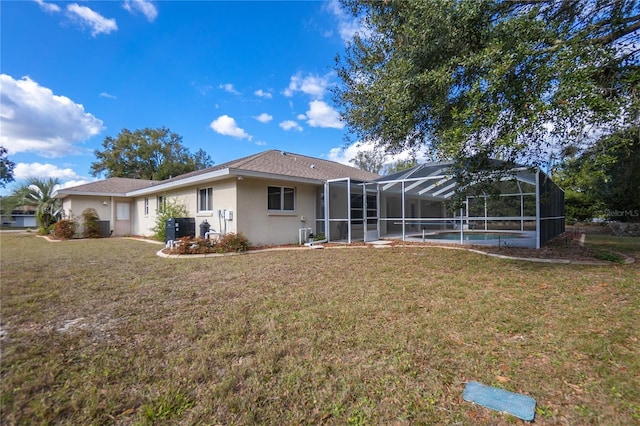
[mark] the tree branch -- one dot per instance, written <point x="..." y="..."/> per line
<point x="613" y="36"/>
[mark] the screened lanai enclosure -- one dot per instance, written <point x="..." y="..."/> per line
<point x="525" y="210"/>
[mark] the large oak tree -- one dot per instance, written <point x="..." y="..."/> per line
<point x="153" y="154"/>
<point x="472" y="80"/>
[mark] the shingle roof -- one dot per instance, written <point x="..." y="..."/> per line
<point x="272" y="162"/>
<point x="288" y="164"/>
<point x="112" y="186"/>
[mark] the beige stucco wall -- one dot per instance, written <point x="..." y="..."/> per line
<point x="73" y="207"/>
<point x="245" y="198"/>
<point x="142" y="223"/>
<point x="224" y="198"/>
<point x="262" y="227"/>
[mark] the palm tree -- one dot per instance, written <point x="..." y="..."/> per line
<point x="37" y="193"/>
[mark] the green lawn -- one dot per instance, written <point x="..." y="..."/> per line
<point x="106" y="332"/>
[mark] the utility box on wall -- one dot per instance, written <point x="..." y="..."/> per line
<point x="179" y="227"/>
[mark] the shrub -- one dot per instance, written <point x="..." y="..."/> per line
<point x="199" y="245"/>
<point x="229" y="243"/>
<point x="172" y="209"/>
<point x="232" y="243"/>
<point x="64" y="229"/>
<point x="90" y="224"/>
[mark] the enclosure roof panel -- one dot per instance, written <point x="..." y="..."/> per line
<point x="436" y="180"/>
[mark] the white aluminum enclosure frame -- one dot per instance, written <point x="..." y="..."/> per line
<point x="430" y="183"/>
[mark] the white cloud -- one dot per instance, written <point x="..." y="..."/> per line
<point x="27" y="170"/>
<point x="48" y="7"/>
<point x="86" y="17"/>
<point x="344" y="155"/>
<point x="290" y="125"/>
<point x="341" y="155"/>
<point x="228" y="87"/>
<point x="33" y="119"/>
<point x="348" y="26"/>
<point x="264" y="117"/>
<point x="203" y="90"/>
<point x="147" y="8"/>
<point x="227" y="126"/>
<point x="262" y="94"/>
<point x="320" y="114"/>
<point x="261" y="143"/>
<point x="107" y="95"/>
<point x="312" y="85"/>
<point x="72" y="183"/>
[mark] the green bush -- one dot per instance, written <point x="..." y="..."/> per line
<point x="90" y="223"/>
<point x="64" y="229"/>
<point x="232" y="243"/>
<point x="172" y="209"/>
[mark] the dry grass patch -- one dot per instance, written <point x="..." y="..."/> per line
<point x="106" y="332"/>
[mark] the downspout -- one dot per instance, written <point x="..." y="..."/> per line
<point x="112" y="216"/>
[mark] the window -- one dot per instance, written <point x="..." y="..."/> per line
<point x="161" y="204"/>
<point x="122" y="211"/>
<point x="281" y="198"/>
<point x="205" y="199"/>
<point x="146" y="206"/>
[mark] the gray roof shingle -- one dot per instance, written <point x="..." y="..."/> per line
<point x="288" y="164"/>
<point x="272" y="162"/>
<point x="112" y="186"/>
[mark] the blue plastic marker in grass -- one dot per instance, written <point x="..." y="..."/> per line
<point x="518" y="405"/>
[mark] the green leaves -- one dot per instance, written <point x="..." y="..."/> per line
<point x="154" y="154"/>
<point x="493" y="79"/>
<point x="6" y="168"/>
<point x="606" y="177"/>
<point x="37" y="193"/>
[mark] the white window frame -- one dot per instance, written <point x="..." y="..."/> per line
<point x="283" y="191"/>
<point x="208" y="192"/>
<point x="146" y="206"/>
<point x="161" y="203"/>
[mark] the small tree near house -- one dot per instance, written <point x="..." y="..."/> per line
<point x="90" y="223"/>
<point x="172" y="208"/>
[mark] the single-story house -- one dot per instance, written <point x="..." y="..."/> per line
<point x="277" y="197"/>
<point x="267" y="197"/>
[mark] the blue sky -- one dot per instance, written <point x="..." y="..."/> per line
<point x="233" y="78"/>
